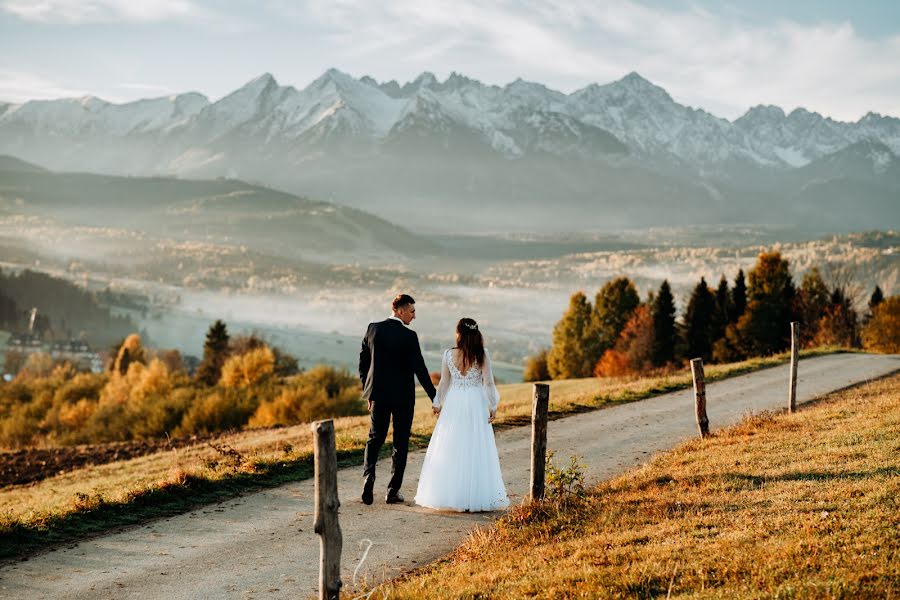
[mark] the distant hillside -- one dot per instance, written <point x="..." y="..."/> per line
<point x="64" y="310"/>
<point x="11" y="163"/>
<point x="222" y="210"/>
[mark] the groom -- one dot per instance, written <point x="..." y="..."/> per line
<point x="389" y="358"/>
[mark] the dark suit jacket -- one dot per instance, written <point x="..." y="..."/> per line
<point x="389" y="358"/>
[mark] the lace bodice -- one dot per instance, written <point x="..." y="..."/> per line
<point x="472" y="378"/>
<point x="475" y="377"/>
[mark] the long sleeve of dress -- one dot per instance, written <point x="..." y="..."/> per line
<point x="444" y="385"/>
<point x="487" y="379"/>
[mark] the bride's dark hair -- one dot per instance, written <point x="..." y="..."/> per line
<point x="470" y="343"/>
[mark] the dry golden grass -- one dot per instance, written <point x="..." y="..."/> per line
<point x="271" y="456"/>
<point x="790" y="506"/>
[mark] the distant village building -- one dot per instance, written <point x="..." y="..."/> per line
<point x="78" y="352"/>
<point x="28" y="343"/>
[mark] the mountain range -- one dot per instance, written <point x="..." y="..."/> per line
<point x="462" y="156"/>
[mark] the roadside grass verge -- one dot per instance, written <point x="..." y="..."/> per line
<point x="803" y="505"/>
<point x="101" y="498"/>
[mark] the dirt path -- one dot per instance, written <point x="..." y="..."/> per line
<point x="263" y="546"/>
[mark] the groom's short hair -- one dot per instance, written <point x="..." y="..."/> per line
<point x="402" y="300"/>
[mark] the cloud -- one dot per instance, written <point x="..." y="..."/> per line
<point x="148" y="87"/>
<point x="101" y="11"/>
<point x="18" y="87"/>
<point x="719" y="61"/>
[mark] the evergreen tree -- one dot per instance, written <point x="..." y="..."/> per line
<point x="764" y="327"/>
<point x="215" y="352"/>
<point x="664" y="333"/>
<point x="839" y="325"/>
<point x="123" y="362"/>
<point x="738" y="297"/>
<point x="876" y="298"/>
<point x="699" y="322"/>
<point x="567" y="358"/>
<point x="812" y="302"/>
<point x="722" y="316"/>
<point x="613" y="307"/>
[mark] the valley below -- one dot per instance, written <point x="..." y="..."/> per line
<point x="316" y="305"/>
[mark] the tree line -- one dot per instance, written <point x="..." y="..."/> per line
<point x="619" y="334"/>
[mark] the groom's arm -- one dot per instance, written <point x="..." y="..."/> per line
<point x="365" y="358"/>
<point x="421" y="370"/>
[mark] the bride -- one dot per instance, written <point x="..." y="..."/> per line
<point x="461" y="471"/>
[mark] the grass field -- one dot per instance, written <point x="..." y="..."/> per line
<point x="803" y="505"/>
<point x="100" y="498"/>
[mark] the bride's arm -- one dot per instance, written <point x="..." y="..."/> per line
<point x="444" y="385"/>
<point x="490" y="389"/>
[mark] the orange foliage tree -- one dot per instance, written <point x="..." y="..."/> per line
<point x="633" y="352"/>
<point x="882" y="332"/>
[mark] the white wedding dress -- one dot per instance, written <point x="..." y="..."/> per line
<point x="461" y="471"/>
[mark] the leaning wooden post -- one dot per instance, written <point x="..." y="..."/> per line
<point x="700" y="396"/>
<point x="795" y="351"/>
<point x="326" y="516"/>
<point x="539" y="410"/>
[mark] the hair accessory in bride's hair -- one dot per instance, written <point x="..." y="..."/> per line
<point x="472" y="326"/>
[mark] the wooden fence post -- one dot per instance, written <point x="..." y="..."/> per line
<point x="795" y="351"/>
<point x="700" y="396"/>
<point x="326" y="511"/>
<point x="539" y="409"/>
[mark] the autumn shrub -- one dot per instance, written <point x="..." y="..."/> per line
<point x="882" y="332"/>
<point x="320" y="393"/>
<point x="74" y="402"/>
<point x="536" y="367"/>
<point x="159" y="415"/>
<point x="244" y="370"/>
<point x="613" y="363"/>
<point x="131" y="351"/>
<point x="38" y="364"/>
<point x="220" y="410"/>
<point x="19" y="427"/>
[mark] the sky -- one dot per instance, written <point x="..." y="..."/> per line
<point x="838" y="58"/>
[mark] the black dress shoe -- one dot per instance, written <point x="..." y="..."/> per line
<point x="394" y="498"/>
<point x="368" y="496"/>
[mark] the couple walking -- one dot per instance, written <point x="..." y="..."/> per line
<point x="461" y="471"/>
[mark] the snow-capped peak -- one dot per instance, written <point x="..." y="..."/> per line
<point x="636" y="111"/>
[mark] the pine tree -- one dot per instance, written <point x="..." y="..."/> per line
<point x="839" y="325"/>
<point x="764" y="327"/>
<point x="567" y="358"/>
<point x="723" y="311"/>
<point x="664" y="333"/>
<point x="123" y="362"/>
<point x="738" y="297"/>
<point x="215" y="352"/>
<point x="812" y="302"/>
<point x="613" y="307"/>
<point x="699" y="322"/>
<point x="876" y="298"/>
